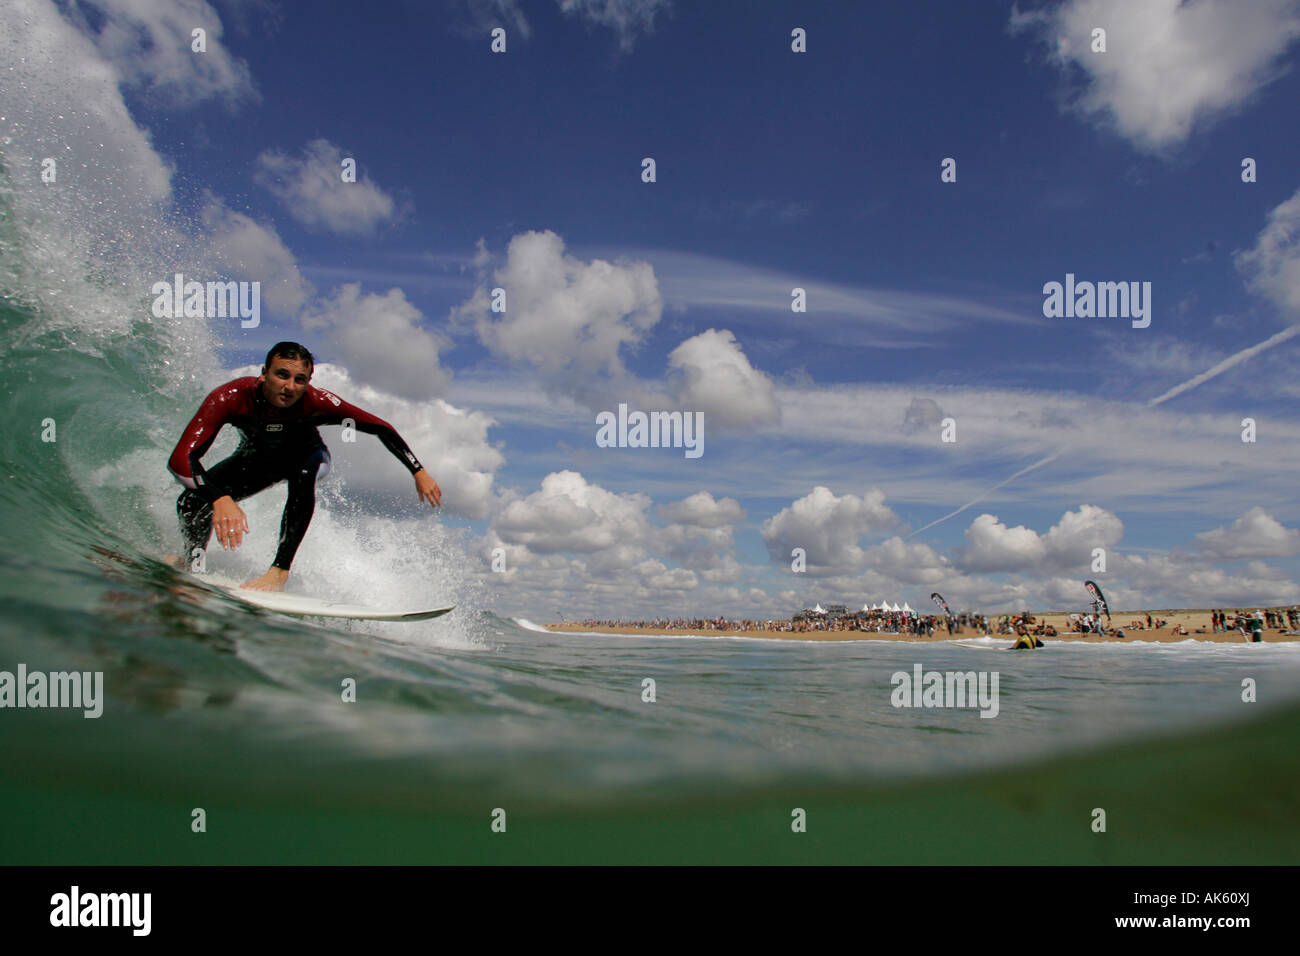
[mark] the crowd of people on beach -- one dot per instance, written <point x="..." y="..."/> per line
<point x="927" y="625"/>
<point x="880" y="622"/>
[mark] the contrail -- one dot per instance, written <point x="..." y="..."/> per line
<point x="1227" y="363"/>
<point x="1232" y="360"/>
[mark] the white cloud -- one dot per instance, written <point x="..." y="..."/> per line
<point x="149" y="42"/>
<point x="713" y="376"/>
<point x="313" y="190"/>
<point x="627" y="18"/>
<point x="568" y="318"/>
<point x="1070" y="542"/>
<point x="839" y="316"/>
<point x="701" y="536"/>
<point x="913" y="563"/>
<point x="1169" y="64"/>
<point x="828" y="528"/>
<point x="1256" y="534"/>
<point x="1067" y="546"/>
<point x="570" y="514"/>
<point x="656" y="576"/>
<point x="245" y="249"/>
<point x="1273" y="265"/>
<point x="701" y="510"/>
<point x="379" y="339"/>
<point x="1172" y="581"/>
<point x="992" y="546"/>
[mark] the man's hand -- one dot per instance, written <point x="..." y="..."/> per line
<point x="229" y="522"/>
<point x="427" y="488"/>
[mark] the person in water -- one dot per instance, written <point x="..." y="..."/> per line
<point x="1024" y="640"/>
<point x="277" y="414"/>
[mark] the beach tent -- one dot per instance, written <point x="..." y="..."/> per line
<point x="867" y="607"/>
<point x="895" y="608"/>
<point x="906" y="609"/>
<point x="819" y="609"/>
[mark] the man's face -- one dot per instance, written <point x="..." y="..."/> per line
<point x="284" y="381"/>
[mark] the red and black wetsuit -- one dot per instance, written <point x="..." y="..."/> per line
<point x="276" y="444"/>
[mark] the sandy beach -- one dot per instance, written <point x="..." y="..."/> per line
<point x="1191" y="620"/>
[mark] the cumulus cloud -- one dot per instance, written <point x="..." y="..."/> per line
<point x="378" y="337"/>
<point x="1272" y="267"/>
<point x="1169" y="64"/>
<point x="312" y="189"/>
<point x="993" y="546"/>
<point x="1071" y="540"/>
<point x="568" y="318"/>
<point x="149" y="43"/>
<point x="828" y="528"/>
<point x="914" y="563"/>
<point x="657" y="576"/>
<point x="1182" y="582"/>
<point x="568" y="514"/>
<point x="1256" y="534"/>
<point x="701" y="510"/>
<point x="713" y="376"/>
<point x="701" y="536"/>
<point x="245" y="249"/>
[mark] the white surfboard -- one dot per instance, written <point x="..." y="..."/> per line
<point x="975" y="645"/>
<point x="299" y="605"/>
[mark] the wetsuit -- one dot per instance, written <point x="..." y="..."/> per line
<point x="276" y="444"/>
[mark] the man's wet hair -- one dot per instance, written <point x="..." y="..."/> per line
<point x="289" y="350"/>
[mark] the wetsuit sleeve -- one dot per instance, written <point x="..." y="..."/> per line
<point x="185" y="464"/>
<point x="333" y="410"/>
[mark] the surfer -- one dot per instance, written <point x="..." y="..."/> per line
<point x="1024" y="640"/>
<point x="277" y="414"/>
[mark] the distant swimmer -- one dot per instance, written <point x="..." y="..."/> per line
<point x="277" y="414"/>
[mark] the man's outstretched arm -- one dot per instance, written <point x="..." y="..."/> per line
<point x="335" y="410"/>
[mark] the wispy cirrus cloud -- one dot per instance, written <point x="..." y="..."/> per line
<point x="312" y="189"/>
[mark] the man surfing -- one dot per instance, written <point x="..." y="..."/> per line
<point x="277" y="414"/>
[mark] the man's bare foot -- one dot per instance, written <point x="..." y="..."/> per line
<point x="272" y="580"/>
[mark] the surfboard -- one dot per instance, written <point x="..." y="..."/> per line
<point x="300" y="605"/>
<point x="977" y="646"/>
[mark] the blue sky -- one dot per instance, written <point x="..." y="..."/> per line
<point x="775" y="170"/>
